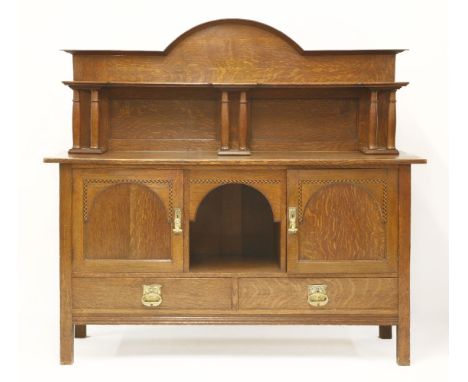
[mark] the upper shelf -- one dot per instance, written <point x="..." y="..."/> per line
<point x="233" y="87"/>
<point x="100" y="84"/>
<point x="235" y="51"/>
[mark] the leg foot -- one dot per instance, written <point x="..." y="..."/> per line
<point x="403" y="345"/>
<point x="385" y="332"/>
<point x="80" y="331"/>
<point x="66" y="343"/>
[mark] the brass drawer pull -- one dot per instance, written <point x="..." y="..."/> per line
<point x="292" y="218"/>
<point x="151" y="295"/>
<point x="177" y="221"/>
<point x="317" y="295"/>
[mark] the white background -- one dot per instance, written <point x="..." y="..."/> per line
<point x="228" y="353"/>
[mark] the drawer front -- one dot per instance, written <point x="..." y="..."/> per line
<point x="121" y="295"/>
<point x="344" y="295"/>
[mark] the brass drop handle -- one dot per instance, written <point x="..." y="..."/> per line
<point x="177" y="221"/>
<point x="292" y="219"/>
<point x="317" y="295"/>
<point x="152" y="295"/>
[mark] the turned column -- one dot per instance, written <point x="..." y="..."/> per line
<point x="243" y="121"/>
<point x="373" y="120"/>
<point x="94" y="120"/>
<point x="76" y="120"/>
<point x="224" y="136"/>
<point x="391" y="121"/>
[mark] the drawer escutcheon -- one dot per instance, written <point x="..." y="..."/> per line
<point x="317" y="295"/>
<point x="151" y="295"/>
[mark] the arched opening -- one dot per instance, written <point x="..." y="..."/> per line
<point x="234" y="231"/>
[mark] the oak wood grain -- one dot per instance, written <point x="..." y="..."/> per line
<point x="342" y="221"/>
<point x="238" y="319"/>
<point x="178" y="294"/>
<point x="127" y="221"/>
<point x="200" y="158"/>
<point x="347" y="220"/>
<point x="66" y="324"/>
<point x="278" y="294"/>
<point x="123" y="220"/>
<point x="404" y="228"/>
<point x="267" y="56"/>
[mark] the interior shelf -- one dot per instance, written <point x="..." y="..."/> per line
<point x="234" y="265"/>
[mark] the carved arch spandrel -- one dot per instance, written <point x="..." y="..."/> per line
<point x="342" y="221"/>
<point x="93" y="186"/>
<point x="377" y="187"/>
<point x="127" y="221"/>
<point x="201" y="187"/>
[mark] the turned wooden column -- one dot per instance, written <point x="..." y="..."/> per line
<point x="76" y="120"/>
<point x="94" y="120"/>
<point x="224" y="136"/>
<point x="243" y="120"/>
<point x="373" y="120"/>
<point x="391" y="121"/>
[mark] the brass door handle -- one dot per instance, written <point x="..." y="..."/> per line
<point x="292" y="219"/>
<point x="177" y="221"/>
<point x="151" y="295"/>
<point x="317" y="295"/>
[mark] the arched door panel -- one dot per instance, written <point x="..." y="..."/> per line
<point x="124" y="220"/>
<point x="346" y="221"/>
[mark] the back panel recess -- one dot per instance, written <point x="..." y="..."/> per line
<point x="164" y="119"/>
<point x="305" y="124"/>
<point x="189" y="119"/>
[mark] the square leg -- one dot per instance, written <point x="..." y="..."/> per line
<point x="403" y="345"/>
<point x="80" y="331"/>
<point x="385" y="332"/>
<point x="66" y="342"/>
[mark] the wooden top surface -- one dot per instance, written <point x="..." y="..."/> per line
<point x="299" y="158"/>
<point x="109" y="52"/>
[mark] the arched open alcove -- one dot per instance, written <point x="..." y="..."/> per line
<point x="233" y="231"/>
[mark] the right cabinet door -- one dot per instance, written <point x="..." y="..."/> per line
<point x="342" y="221"/>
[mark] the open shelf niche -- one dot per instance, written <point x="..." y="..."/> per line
<point x="234" y="231"/>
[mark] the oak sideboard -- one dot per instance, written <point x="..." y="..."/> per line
<point x="234" y="178"/>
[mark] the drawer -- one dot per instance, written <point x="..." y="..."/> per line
<point x="344" y="295"/>
<point x="121" y="295"/>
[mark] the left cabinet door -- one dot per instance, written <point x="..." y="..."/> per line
<point x="127" y="220"/>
